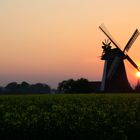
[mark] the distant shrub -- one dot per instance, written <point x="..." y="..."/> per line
<point x="25" y="88"/>
<point x="81" y="85"/>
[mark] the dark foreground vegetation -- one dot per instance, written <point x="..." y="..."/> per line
<point x="70" y="117"/>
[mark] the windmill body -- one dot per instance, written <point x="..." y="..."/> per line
<point x="118" y="81"/>
<point x="114" y="75"/>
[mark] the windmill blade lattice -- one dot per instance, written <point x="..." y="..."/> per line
<point x="131" y="40"/>
<point x="110" y="37"/>
<point x="132" y="62"/>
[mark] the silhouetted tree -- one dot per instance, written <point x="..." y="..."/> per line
<point x="12" y="87"/>
<point x="82" y="86"/>
<point x="71" y="86"/>
<point x="66" y="86"/>
<point x="24" y="87"/>
<point x="2" y="90"/>
<point x="40" y="88"/>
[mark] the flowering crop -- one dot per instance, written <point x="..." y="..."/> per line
<point x="90" y="116"/>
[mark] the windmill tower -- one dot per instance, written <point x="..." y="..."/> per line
<point x="114" y="75"/>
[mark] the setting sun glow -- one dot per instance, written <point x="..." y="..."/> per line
<point x="138" y="74"/>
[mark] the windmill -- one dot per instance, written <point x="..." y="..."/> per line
<point x="114" y="75"/>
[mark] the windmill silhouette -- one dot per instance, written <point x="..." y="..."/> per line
<point x="114" y="77"/>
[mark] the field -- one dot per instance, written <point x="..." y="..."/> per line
<point x="72" y="117"/>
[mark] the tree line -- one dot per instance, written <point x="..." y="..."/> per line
<point x="81" y="85"/>
<point x="25" y="88"/>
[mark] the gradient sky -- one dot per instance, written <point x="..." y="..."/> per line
<point x="52" y="40"/>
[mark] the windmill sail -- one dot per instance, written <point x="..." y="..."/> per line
<point x="106" y="32"/>
<point x="132" y="62"/>
<point x="131" y="40"/>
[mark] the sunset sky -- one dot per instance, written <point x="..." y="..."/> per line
<point x="52" y="40"/>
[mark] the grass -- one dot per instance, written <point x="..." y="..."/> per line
<point x="77" y="116"/>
